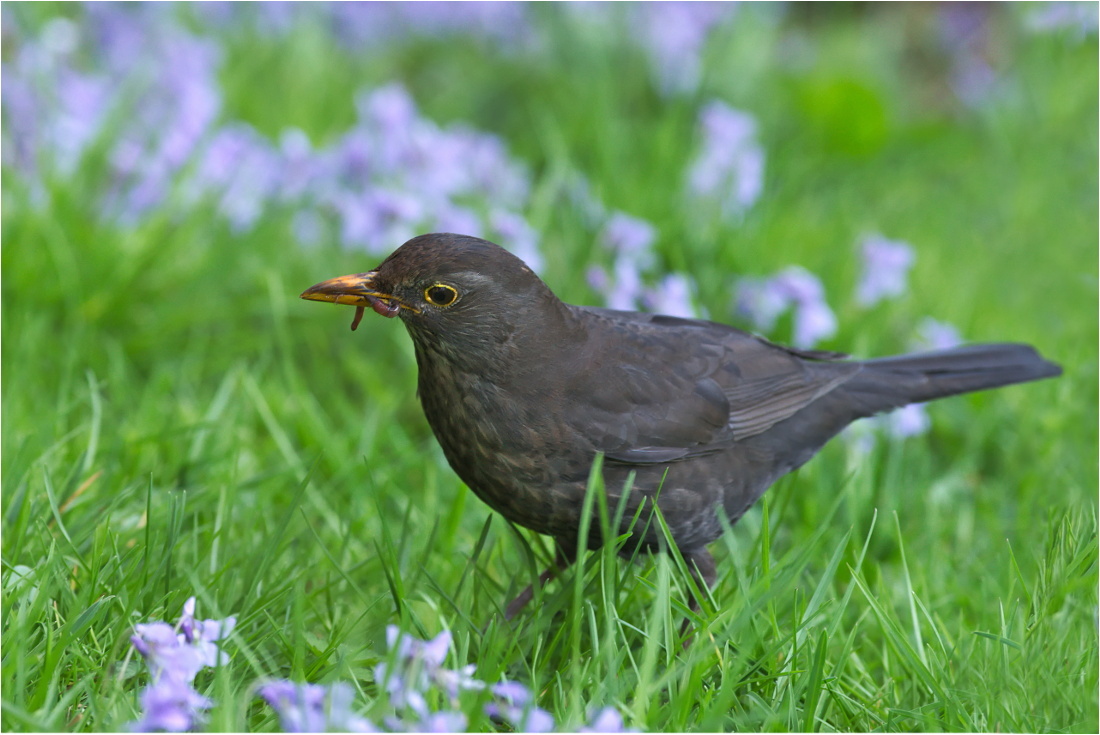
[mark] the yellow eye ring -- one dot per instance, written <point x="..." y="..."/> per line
<point x="440" y="294"/>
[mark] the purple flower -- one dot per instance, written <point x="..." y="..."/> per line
<point x="763" y="301"/>
<point x="167" y="80"/>
<point x="417" y="667"/>
<point x="182" y="655"/>
<point x="360" y="25"/>
<point x="629" y="237"/>
<point x="936" y="335"/>
<point x="518" y="236"/>
<point x="628" y="289"/>
<point x="171" y="705"/>
<point x="901" y="423"/>
<point x="1078" y="19"/>
<point x="597" y="279"/>
<point x="514" y="704"/>
<point x="907" y="421"/>
<point x="451" y="218"/>
<point x="631" y="240"/>
<point x="52" y="112"/>
<point x="377" y="218"/>
<point x="607" y="719"/>
<point x="174" y="659"/>
<point x="674" y="33"/>
<point x="389" y="110"/>
<point x="672" y="296"/>
<point x="167" y="653"/>
<point x="453" y="681"/>
<point x="298" y="164"/>
<point x="886" y="265"/>
<point x="729" y="168"/>
<point x="243" y="171"/>
<point x="396" y="173"/>
<point x="965" y="32"/>
<point x="314" y="707"/>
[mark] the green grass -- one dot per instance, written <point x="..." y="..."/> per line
<point x="176" y="421"/>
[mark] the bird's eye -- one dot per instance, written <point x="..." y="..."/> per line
<point x="441" y="294"/>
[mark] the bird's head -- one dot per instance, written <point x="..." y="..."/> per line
<point x="458" y="295"/>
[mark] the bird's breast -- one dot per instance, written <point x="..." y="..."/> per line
<point x="507" y="445"/>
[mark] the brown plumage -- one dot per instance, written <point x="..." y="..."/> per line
<point x="522" y="391"/>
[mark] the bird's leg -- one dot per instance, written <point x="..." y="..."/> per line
<point x="702" y="567"/>
<point x="561" y="561"/>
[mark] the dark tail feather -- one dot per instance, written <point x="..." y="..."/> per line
<point x="890" y="382"/>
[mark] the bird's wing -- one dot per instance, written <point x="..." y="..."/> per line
<point x="695" y="387"/>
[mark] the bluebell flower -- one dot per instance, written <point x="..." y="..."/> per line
<point x="174" y="657"/>
<point x="298" y="164"/>
<point x="763" y="301"/>
<point x="167" y="653"/>
<point x="171" y="705"/>
<point x="886" y="265"/>
<point x="203" y="634"/>
<point x="517" y="235"/>
<point x="597" y="279"/>
<point x="52" y="112"/>
<point x="936" y="335"/>
<point x="452" y="218"/>
<point x="395" y="173"/>
<point x="314" y="707"/>
<point x="965" y="34"/>
<point x="607" y="719"/>
<point x="907" y="421"/>
<point x="627" y="288"/>
<point x="242" y="171"/>
<point x="674" y="34"/>
<point x="388" y="110"/>
<point x="365" y="24"/>
<point x="630" y="240"/>
<point x="1079" y="20"/>
<point x="417" y="667"/>
<point x="144" y="55"/>
<point x="514" y="704"/>
<point x="393" y="214"/>
<point x="728" y="170"/>
<point x="671" y="296"/>
<point x="629" y="237"/>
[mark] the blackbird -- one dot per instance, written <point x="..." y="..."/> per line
<point x="523" y="391"/>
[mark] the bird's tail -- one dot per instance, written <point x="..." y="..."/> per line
<point x="890" y="382"/>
